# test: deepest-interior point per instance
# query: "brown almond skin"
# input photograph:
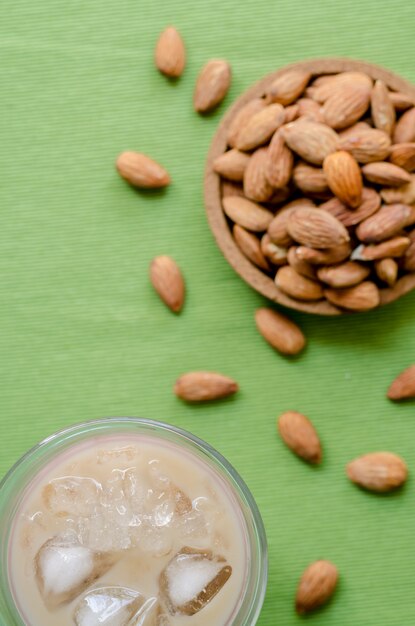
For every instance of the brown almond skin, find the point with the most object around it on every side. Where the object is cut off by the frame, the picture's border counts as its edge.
(403, 387)
(310, 109)
(302, 267)
(141, 171)
(362, 297)
(316, 228)
(242, 118)
(405, 128)
(277, 228)
(387, 271)
(383, 111)
(378, 471)
(299, 434)
(231, 165)
(344, 275)
(338, 82)
(247, 214)
(401, 101)
(280, 332)
(331, 256)
(170, 53)
(344, 177)
(278, 255)
(345, 106)
(310, 140)
(297, 286)
(212, 85)
(168, 281)
(409, 258)
(403, 155)
(404, 193)
(250, 245)
(291, 113)
(203, 386)
(256, 184)
(289, 86)
(395, 247)
(260, 127)
(387, 222)
(384, 173)
(316, 586)
(366, 145)
(309, 179)
(280, 162)
(371, 201)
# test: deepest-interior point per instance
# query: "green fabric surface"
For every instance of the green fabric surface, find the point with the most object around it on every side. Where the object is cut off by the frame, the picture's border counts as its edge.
(82, 333)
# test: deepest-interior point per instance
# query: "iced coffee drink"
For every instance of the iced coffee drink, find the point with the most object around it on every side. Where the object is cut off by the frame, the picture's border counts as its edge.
(129, 529)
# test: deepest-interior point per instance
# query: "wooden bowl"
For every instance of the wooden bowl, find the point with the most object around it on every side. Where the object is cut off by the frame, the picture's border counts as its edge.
(257, 279)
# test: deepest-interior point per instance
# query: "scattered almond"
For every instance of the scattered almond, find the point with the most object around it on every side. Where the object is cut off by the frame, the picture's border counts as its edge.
(378, 471)
(212, 85)
(310, 140)
(141, 171)
(170, 53)
(383, 110)
(362, 297)
(279, 331)
(316, 586)
(403, 155)
(384, 173)
(405, 127)
(204, 386)
(256, 184)
(250, 245)
(247, 214)
(299, 434)
(260, 127)
(288, 86)
(344, 177)
(297, 286)
(344, 275)
(232, 165)
(387, 222)
(167, 280)
(315, 228)
(403, 387)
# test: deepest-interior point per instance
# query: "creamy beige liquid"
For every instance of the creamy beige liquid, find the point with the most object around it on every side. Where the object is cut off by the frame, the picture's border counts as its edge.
(140, 500)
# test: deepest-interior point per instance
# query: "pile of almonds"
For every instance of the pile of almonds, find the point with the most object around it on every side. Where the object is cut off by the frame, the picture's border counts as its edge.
(318, 186)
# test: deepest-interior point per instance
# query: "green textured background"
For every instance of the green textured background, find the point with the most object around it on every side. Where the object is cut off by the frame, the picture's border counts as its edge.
(82, 334)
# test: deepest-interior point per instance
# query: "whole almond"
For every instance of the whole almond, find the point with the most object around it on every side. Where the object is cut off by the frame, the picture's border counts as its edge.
(260, 127)
(242, 117)
(344, 177)
(335, 83)
(384, 173)
(310, 109)
(378, 471)
(301, 267)
(299, 434)
(370, 204)
(403, 285)
(367, 145)
(167, 280)
(203, 386)
(278, 255)
(279, 331)
(387, 222)
(250, 246)
(297, 286)
(362, 297)
(170, 53)
(310, 140)
(405, 193)
(277, 229)
(383, 110)
(316, 586)
(387, 271)
(354, 129)
(212, 85)
(331, 256)
(291, 113)
(287, 87)
(403, 155)
(141, 171)
(256, 184)
(405, 127)
(309, 179)
(345, 106)
(316, 228)
(231, 165)
(403, 387)
(409, 258)
(395, 247)
(344, 275)
(247, 214)
(401, 101)
(280, 162)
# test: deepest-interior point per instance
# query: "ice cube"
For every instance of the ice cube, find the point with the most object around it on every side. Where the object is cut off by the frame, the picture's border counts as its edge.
(192, 579)
(111, 606)
(71, 496)
(64, 569)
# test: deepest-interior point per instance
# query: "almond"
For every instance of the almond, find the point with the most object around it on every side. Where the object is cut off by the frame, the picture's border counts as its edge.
(369, 205)
(403, 387)
(336, 83)
(344, 275)
(247, 214)
(231, 189)
(404, 193)
(299, 434)
(344, 177)
(280, 162)
(250, 246)
(302, 267)
(310, 109)
(316, 586)
(170, 53)
(395, 247)
(384, 173)
(141, 171)
(278, 197)
(401, 101)
(231, 165)
(352, 130)
(297, 286)
(291, 113)
(212, 85)
(403, 285)
(331, 256)
(287, 87)
(309, 179)
(403, 155)
(203, 386)
(378, 471)
(277, 230)
(362, 297)
(256, 184)
(409, 258)
(367, 145)
(316, 228)
(383, 111)
(310, 140)
(167, 280)
(242, 117)
(276, 254)
(260, 127)
(386, 223)
(345, 106)
(405, 127)
(279, 331)
(387, 271)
